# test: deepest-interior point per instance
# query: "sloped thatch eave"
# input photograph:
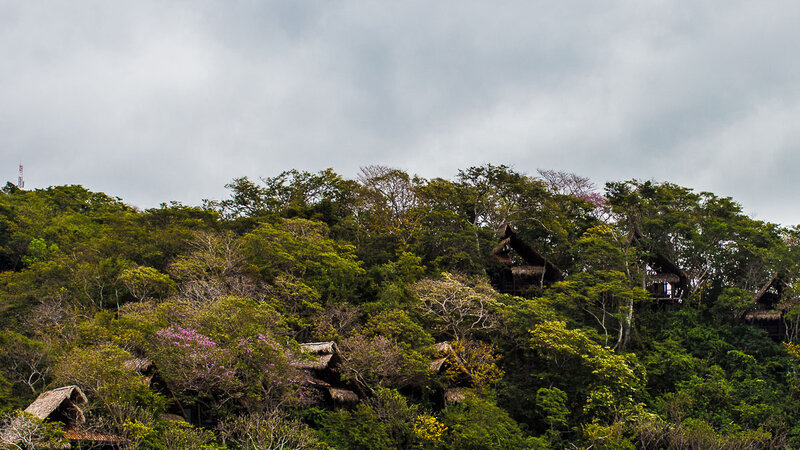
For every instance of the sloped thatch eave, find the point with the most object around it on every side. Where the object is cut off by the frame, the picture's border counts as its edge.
(48, 402)
(320, 362)
(442, 347)
(529, 254)
(343, 396)
(138, 364)
(664, 278)
(760, 294)
(436, 365)
(528, 270)
(320, 347)
(763, 315)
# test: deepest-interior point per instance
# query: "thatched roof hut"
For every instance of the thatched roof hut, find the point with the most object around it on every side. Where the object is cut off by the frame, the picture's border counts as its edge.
(770, 293)
(442, 347)
(144, 367)
(320, 347)
(139, 365)
(324, 355)
(343, 397)
(319, 362)
(664, 270)
(442, 350)
(59, 405)
(437, 364)
(536, 263)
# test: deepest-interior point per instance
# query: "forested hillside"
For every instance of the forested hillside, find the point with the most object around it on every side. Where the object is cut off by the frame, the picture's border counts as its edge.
(307, 310)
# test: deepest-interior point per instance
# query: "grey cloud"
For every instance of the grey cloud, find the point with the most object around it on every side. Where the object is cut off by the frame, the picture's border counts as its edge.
(156, 101)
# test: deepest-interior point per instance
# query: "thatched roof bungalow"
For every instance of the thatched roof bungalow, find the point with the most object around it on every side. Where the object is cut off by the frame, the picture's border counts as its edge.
(442, 350)
(62, 405)
(768, 314)
(770, 294)
(319, 363)
(663, 279)
(318, 356)
(59, 405)
(534, 269)
(144, 368)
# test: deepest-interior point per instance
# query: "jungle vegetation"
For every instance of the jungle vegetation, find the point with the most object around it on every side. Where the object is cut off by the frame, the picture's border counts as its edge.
(219, 297)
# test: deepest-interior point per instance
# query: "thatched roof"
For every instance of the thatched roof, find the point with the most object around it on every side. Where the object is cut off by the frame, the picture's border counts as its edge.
(323, 355)
(528, 270)
(63, 400)
(140, 365)
(320, 347)
(172, 417)
(661, 264)
(455, 395)
(436, 365)
(442, 347)
(763, 314)
(773, 282)
(508, 237)
(664, 278)
(320, 362)
(343, 396)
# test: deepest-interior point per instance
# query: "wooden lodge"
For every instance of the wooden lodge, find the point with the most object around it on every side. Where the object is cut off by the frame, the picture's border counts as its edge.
(530, 268)
(663, 279)
(768, 313)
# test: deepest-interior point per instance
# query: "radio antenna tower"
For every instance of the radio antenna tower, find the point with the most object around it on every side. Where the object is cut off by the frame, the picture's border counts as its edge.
(20, 181)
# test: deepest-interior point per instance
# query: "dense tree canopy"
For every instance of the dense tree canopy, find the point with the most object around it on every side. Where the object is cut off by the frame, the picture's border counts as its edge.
(406, 276)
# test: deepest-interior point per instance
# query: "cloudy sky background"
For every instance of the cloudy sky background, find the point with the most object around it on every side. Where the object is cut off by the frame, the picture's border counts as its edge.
(156, 101)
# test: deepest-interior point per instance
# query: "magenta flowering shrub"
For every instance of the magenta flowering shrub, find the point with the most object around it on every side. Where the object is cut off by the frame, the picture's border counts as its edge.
(192, 361)
(256, 370)
(266, 372)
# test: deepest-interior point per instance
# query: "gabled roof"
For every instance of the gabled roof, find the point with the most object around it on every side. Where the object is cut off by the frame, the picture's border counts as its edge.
(773, 282)
(443, 350)
(659, 262)
(67, 397)
(532, 257)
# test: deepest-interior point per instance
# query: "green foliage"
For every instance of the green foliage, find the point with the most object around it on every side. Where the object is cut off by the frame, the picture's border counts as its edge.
(397, 326)
(24, 430)
(268, 430)
(360, 428)
(218, 297)
(610, 383)
(553, 406)
(144, 282)
(480, 424)
(302, 249)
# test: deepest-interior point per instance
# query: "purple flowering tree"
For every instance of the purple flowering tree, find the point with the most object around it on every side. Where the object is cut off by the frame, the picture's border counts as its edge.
(191, 361)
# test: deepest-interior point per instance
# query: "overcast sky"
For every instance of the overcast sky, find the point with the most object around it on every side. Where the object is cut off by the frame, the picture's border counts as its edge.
(155, 101)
